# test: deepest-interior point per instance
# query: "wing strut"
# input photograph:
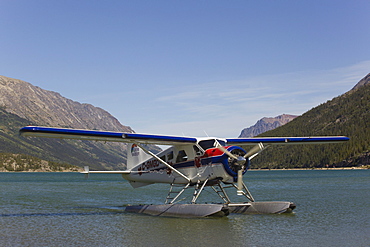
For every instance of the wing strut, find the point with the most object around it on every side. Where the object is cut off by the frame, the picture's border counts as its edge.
(163, 162)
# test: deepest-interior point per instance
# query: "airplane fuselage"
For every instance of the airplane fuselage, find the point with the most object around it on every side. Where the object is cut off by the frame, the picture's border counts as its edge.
(196, 165)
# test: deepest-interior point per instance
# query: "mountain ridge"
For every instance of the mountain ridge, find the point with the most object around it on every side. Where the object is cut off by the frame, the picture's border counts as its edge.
(364, 81)
(22, 104)
(36, 106)
(266, 124)
(50, 108)
(347, 115)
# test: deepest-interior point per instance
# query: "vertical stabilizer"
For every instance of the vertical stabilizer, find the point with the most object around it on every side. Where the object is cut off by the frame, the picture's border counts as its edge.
(135, 156)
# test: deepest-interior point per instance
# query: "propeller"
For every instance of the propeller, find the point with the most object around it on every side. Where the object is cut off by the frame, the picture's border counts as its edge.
(255, 151)
(239, 161)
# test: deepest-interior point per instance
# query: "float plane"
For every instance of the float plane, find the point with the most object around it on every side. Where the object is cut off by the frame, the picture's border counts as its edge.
(189, 163)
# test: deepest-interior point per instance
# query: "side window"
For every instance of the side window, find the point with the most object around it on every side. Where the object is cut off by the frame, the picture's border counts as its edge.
(181, 156)
(170, 156)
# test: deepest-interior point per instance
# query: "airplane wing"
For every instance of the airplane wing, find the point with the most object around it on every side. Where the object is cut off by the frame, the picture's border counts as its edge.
(94, 135)
(286, 140)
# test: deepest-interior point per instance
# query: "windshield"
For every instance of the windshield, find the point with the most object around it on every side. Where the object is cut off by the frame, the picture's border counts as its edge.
(211, 143)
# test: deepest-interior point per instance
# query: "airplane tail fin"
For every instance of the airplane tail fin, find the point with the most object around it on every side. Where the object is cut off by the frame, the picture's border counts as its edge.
(135, 156)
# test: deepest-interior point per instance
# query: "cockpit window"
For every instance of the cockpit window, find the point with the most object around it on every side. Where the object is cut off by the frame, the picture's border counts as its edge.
(206, 144)
(223, 143)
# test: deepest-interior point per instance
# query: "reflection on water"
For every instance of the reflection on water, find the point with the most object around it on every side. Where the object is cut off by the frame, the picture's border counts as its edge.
(63, 209)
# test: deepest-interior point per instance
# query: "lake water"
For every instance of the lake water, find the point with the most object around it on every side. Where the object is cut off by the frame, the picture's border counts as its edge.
(64, 209)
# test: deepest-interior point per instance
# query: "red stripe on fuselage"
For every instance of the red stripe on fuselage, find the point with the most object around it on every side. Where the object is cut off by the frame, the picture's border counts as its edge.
(213, 152)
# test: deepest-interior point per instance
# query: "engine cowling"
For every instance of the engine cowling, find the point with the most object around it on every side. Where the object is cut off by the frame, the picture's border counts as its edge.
(230, 164)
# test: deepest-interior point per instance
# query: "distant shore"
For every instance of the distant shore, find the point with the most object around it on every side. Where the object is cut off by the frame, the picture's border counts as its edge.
(46, 170)
(318, 168)
(281, 169)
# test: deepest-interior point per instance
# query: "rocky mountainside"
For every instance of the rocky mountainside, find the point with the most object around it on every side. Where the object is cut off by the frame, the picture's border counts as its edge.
(22, 104)
(364, 81)
(56, 151)
(266, 124)
(348, 115)
(47, 108)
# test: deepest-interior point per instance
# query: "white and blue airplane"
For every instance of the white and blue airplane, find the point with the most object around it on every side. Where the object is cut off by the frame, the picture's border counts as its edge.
(190, 162)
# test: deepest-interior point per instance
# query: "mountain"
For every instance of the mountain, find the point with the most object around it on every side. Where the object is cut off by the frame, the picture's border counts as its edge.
(23, 104)
(78, 153)
(265, 124)
(49, 108)
(364, 81)
(348, 115)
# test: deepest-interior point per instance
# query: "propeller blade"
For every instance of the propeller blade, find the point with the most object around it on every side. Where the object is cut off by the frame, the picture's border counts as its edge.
(223, 149)
(256, 149)
(239, 191)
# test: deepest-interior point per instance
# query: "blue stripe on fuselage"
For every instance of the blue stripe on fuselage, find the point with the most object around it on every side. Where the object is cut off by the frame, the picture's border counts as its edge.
(191, 163)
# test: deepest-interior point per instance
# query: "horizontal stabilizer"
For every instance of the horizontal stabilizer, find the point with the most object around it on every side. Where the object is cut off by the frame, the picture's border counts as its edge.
(107, 172)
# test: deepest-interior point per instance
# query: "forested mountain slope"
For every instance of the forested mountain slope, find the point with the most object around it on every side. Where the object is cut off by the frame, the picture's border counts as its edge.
(348, 115)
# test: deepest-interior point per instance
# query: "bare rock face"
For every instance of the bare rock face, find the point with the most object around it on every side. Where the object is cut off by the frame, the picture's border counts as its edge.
(364, 81)
(266, 124)
(47, 108)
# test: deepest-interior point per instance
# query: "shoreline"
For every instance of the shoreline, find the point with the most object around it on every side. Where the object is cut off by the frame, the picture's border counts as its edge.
(258, 169)
(318, 168)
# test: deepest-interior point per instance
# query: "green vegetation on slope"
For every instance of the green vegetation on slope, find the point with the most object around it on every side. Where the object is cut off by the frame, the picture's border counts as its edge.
(79, 153)
(23, 162)
(348, 115)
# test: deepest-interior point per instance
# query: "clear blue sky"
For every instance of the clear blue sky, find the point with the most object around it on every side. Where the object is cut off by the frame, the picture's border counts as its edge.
(188, 67)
